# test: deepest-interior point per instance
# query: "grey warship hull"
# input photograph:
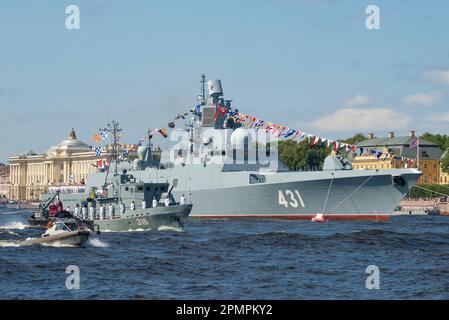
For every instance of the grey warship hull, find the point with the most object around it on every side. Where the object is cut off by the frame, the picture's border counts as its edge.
(172, 217)
(371, 195)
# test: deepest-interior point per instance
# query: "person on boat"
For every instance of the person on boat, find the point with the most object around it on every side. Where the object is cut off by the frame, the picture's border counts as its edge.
(59, 205)
(167, 201)
(84, 212)
(182, 200)
(154, 202)
(144, 204)
(68, 209)
(111, 211)
(91, 212)
(50, 224)
(133, 205)
(122, 209)
(101, 212)
(76, 212)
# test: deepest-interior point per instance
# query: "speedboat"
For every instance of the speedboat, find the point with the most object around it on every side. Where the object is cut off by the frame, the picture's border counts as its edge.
(59, 233)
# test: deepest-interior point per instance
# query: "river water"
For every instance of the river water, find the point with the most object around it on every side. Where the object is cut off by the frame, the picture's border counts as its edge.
(235, 259)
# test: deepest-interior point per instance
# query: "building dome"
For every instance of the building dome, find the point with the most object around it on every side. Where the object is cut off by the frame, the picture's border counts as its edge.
(240, 138)
(69, 145)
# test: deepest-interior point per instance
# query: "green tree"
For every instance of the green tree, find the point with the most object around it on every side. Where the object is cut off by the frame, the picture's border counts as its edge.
(355, 139)
(441, 140)
(426, 191)
(302, 155)
(445, 162)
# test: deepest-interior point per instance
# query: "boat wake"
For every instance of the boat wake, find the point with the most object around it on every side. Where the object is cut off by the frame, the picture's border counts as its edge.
(6, 244)
(14, 225)
(170, 228)
(58, 244)
(95, 242)
(8, 232)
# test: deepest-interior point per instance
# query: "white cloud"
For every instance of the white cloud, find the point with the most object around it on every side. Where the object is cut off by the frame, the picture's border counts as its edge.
(357, 100)
(422, 99)
(441, 117)
(438, 76)
(351, 119)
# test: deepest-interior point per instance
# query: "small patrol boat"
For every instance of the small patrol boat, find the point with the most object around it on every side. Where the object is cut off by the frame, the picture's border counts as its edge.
(59, 233)
(114, 208)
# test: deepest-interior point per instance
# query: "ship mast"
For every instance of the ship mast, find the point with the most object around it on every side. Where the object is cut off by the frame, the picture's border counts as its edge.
(114, 129)
(203, 87)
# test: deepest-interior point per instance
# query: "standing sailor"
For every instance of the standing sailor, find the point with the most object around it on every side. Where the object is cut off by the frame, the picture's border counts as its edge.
(144, 204)
(101, 212)
(154, 202)
(111, 211)
(77, 210)
(182, 200)
(84, 212)
(91, 212)
(167, 201)
(122, 209)
(133, 205)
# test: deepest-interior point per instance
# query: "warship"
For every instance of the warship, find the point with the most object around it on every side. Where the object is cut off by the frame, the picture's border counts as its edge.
(234, 179)
(116, 203)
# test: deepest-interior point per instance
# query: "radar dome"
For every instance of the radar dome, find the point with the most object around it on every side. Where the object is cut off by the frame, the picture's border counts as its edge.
(240, 138)
(142, 152)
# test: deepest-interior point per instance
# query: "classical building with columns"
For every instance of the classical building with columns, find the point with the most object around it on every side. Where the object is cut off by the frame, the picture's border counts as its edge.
(65, 164)
(4, 181)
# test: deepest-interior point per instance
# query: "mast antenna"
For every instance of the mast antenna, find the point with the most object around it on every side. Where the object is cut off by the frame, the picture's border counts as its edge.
(114, 129)
(203, 86)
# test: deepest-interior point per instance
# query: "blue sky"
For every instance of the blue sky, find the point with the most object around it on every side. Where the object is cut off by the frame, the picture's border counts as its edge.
(311, 65)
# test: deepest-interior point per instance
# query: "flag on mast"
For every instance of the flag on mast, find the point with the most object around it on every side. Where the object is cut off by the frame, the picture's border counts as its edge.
(415, 143)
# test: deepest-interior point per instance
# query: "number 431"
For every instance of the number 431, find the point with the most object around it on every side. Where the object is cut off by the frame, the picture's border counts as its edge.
(294, 199)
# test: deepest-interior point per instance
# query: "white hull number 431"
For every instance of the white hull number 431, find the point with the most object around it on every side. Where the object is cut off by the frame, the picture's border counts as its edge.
(291, 199)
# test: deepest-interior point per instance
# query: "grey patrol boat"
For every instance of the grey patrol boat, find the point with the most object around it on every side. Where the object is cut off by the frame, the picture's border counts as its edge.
(122, 202)
(229, 180)
(125, 196)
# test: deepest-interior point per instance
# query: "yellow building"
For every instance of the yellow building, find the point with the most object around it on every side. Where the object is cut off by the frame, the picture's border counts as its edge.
(67, 163)
(429, 156)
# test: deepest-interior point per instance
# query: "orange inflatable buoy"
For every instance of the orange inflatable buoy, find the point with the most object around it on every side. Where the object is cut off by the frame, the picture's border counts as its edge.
(319, 217)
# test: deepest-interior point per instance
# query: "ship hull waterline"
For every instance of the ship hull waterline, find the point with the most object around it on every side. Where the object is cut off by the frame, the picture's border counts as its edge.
(350, 198)
(172, 217)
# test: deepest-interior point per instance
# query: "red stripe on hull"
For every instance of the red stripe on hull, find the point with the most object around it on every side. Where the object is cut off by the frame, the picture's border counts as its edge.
(369, 217)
